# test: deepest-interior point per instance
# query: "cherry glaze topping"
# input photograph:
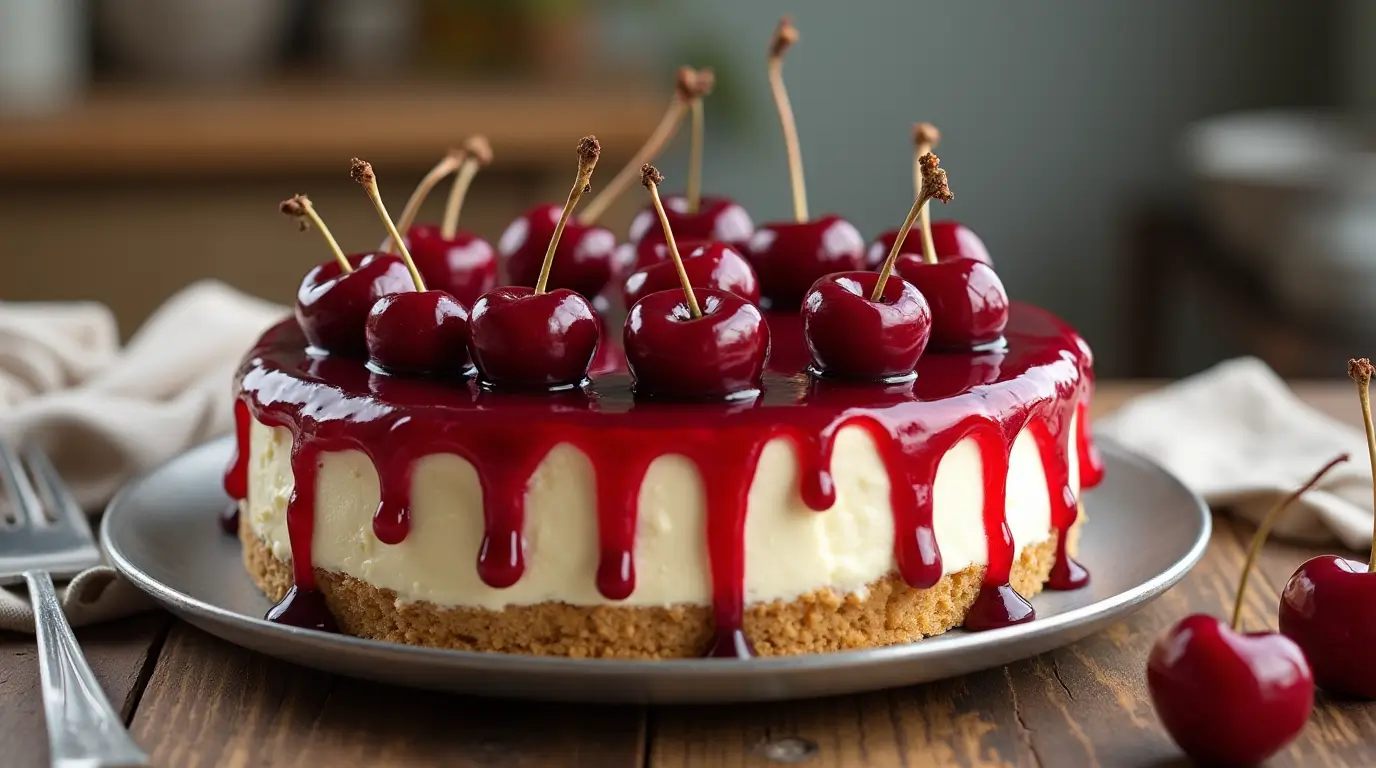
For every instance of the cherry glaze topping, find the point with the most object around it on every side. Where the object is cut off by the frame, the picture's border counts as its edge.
(672, 354)
(332, 307)
(582, 262)
(851, 337)
(718, 218)
(789, 257)
(521, 340)
(464, 266)
(952, 240)
(969, 304)
(418, 332)
(712, 265)
(333, 404)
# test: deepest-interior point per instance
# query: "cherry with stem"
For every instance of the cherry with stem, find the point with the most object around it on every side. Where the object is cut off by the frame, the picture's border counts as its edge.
(932, 185)
(361, 172)
(588, 152)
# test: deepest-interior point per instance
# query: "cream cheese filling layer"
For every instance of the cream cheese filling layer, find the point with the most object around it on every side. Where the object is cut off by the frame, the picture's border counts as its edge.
(790, 549)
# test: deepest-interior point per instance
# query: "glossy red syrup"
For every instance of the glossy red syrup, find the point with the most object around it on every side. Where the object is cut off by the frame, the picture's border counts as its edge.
(236, 476)
(334, 404)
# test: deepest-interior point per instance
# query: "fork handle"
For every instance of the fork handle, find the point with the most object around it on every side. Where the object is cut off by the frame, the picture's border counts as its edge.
(83, 729)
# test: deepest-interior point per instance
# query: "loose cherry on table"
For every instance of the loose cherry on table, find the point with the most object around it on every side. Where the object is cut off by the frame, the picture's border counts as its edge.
(417, 330)
(1229, 697)
(790, 256)
(335, 297)
(692, 215)
(868, 326)
(713, 265)
(587, 256)
(450, 259)
(534, 338)
(693, 344)
(1328, 606)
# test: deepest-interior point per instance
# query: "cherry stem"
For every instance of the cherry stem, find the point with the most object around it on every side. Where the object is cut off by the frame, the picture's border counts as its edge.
(447, 165)
(1361, 371)
(887, 269)
(785, 36)
(663, 133)
(301, 206)
(1264, 530)
(449, 225)
(925, 221)
(694, 191)
(588, 152)
(362, 172)
(651, 178)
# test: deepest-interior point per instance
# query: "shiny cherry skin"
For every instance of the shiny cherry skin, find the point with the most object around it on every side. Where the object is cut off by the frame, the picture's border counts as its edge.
(651, 251)
(418, 332)
(1226, 697)
(969, 304)
(464, 266)
(1329, 609)
(789, 257)
(332, 307)
(718, 218)
(715, 265)
(672, 354)
(951, 238)
(582, 261)
(851, 337)
(523, 341)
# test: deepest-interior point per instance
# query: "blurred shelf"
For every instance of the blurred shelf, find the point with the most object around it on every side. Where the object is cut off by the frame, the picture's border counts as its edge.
(126, 132)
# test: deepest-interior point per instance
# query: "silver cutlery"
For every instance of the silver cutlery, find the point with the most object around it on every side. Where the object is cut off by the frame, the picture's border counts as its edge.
(83, 729)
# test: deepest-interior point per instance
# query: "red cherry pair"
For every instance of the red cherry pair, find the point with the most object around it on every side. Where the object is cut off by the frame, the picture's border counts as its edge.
(1228, 697)
(868, 326)
(695, 342)
(1328, 606)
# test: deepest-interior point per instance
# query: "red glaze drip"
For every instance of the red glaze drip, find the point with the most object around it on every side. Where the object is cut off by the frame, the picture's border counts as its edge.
(1091, 465)
(1065, 572)
(334, 404)
(236, 475)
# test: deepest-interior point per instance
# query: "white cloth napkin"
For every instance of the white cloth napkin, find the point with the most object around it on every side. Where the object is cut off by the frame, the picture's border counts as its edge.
(106, 414)
(1240, 438)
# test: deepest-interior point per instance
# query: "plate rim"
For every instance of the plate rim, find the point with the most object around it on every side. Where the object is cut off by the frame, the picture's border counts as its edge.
(1118, 605)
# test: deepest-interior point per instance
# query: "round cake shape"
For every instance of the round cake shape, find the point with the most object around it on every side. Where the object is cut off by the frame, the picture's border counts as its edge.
(818, 516)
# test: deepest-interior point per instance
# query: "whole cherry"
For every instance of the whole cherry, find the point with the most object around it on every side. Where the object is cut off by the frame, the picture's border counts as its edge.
(717, 266)
(335, 297)
(683, 348)
(1328, 606)
(1229, 697)
(867, 326)
(852, 336)
(455, 261)
(945, 239)
(587, 257)
(418, 330)
(535, 338)
(969, 303)
(790, 256)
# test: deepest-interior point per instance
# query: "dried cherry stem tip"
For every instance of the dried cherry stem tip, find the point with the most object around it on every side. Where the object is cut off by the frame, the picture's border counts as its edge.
(925, 139)
(300, 208)
(1264, 530)
(785, 35)
(588, 152)
(1361, 372)
(477, 154)
(651, 178)
(451, 162)
(934, 187)
(362, 172)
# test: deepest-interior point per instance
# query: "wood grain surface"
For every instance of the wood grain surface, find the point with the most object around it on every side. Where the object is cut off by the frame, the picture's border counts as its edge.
(193, 700)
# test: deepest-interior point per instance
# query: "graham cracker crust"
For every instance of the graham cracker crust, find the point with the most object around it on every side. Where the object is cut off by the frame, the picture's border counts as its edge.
(891, 613)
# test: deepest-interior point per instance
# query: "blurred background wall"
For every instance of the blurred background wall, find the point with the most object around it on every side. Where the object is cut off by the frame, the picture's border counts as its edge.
(166, 134)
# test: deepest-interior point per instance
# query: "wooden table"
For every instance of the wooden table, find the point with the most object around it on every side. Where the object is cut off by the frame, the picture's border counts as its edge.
(193, 700)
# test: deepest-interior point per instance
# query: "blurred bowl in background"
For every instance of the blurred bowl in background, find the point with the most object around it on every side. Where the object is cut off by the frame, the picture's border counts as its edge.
(205, 42)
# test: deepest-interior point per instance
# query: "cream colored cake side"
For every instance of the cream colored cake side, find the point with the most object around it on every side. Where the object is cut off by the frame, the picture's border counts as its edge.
(792, 552)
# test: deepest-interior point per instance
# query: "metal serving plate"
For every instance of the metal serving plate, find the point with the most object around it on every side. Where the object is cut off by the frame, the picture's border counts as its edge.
(1144, 532)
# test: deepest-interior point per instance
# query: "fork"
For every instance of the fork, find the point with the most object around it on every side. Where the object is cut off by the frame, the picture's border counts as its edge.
(83, 729)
